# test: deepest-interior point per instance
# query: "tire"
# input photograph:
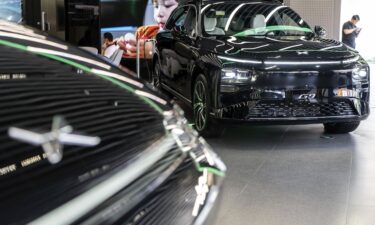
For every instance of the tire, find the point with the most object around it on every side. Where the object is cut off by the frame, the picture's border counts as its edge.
(204, 124)
(156, 81)
(340, 128)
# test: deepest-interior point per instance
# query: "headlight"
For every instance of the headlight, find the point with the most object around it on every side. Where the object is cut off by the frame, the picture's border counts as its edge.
(237, 76)
(360, 74)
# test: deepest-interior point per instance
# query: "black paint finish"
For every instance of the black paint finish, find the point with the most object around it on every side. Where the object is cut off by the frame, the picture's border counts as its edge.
(289, 73)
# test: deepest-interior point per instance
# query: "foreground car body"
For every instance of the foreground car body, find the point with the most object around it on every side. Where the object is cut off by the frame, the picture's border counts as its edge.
(82, 143)
(259, 62)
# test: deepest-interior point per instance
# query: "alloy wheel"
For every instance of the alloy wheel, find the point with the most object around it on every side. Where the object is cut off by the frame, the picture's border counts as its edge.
(200, 106)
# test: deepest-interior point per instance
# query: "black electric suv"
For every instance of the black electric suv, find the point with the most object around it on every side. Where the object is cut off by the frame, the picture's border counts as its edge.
(259, 62)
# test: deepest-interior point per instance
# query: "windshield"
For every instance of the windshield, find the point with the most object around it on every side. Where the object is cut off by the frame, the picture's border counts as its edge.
(252, 19)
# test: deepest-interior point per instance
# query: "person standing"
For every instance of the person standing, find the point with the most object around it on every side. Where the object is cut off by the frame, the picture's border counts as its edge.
(350, 31)
(109, 46)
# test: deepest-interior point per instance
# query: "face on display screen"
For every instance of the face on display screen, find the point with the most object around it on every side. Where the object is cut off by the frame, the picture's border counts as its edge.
(136, 17)
(162, 10)
(135, 12)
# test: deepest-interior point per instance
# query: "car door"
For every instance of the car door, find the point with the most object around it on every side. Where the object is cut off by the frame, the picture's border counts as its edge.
(166, 42)
(186, 52)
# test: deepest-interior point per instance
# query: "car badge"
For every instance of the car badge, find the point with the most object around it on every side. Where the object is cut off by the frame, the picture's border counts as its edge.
(302, 52)
(53, 142)
(306, 96)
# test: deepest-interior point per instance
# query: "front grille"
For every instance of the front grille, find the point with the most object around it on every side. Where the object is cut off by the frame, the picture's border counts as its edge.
(170, 204)
(142, 203)
(287, 109)
(300, 109)
(125, 124)
(164, 194)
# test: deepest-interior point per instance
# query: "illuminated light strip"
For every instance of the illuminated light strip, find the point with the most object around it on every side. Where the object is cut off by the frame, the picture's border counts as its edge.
(13, 45)
(117, 76)
(132, 90)
(22, 32)
(152, 104)
(303, 63)
(97, 195)
(66, 61)
(151, 96)
(293, 46)
(99, 73)
(232, 15)
(70, 56)
(272, 12)
(19, 30)
(350, 60)
(240, 60)
(27, 38)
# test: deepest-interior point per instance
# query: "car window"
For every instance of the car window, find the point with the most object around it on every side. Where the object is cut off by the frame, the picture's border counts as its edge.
(191, 22)
(177, 18)
(232, 19)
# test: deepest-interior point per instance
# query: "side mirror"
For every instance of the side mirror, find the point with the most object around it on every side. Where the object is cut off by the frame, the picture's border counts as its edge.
(320, 31)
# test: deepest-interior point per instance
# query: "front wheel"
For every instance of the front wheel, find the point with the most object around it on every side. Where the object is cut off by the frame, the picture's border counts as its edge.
(341, 128)
(156, 79)
(204, 124)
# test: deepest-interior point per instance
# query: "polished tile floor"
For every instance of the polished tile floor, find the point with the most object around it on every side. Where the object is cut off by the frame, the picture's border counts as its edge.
(297, 175)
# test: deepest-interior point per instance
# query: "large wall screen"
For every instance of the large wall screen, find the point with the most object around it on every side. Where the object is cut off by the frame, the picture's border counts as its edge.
(11, 10)
(120, 13)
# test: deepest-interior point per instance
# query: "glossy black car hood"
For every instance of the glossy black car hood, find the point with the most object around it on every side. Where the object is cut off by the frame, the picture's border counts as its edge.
(282, 48)
(55, 97)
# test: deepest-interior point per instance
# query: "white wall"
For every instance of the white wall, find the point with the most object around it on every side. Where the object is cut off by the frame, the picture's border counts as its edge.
(325, 13)
(366, 11)
(332, 14)
(149, 14)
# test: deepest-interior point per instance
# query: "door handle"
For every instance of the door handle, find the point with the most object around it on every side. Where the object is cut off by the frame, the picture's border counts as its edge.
(43, 21)
(45, 25)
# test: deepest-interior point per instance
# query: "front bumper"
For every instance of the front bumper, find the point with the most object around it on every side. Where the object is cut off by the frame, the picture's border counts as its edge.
(295, 98)
(295, 112)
